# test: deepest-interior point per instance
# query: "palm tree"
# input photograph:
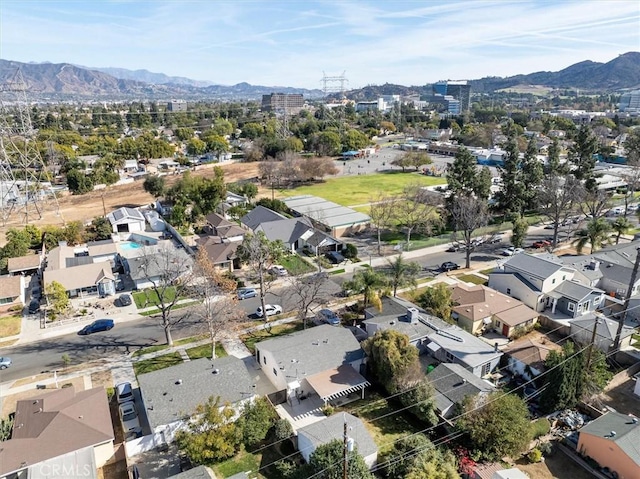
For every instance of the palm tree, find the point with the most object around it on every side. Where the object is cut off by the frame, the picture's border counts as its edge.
(402, 274)
(596, 233)
(621, 225)
(370, 284)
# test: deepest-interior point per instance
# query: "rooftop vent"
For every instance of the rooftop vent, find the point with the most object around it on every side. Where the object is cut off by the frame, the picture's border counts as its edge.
(326, 341)
(634, 420)
(392, 322)
(178, 382)
(315, 343)
(216, 371)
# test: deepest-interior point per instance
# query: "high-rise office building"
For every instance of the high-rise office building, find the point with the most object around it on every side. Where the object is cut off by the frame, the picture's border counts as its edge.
(460, 90)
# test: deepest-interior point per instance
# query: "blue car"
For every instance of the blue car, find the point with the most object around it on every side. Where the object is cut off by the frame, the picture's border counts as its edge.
(97, 326)
(328, 316)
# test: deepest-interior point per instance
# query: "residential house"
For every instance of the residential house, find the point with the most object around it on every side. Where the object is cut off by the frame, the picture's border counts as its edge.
(443, 341)
(126, 220)
(452, 384)
(612, 442)
(258, 215)
(172, 395)
(331, 428)
(543, 282)
(12, 292)
(198, 472)
(218, 225)
(164, 207)
(27, 265)
(605, 332)
(478, 308)
(67, 431)
(232, 199)
(222, 255)
(323, 360)
(101, 251)
(153, 267)
(526, 357)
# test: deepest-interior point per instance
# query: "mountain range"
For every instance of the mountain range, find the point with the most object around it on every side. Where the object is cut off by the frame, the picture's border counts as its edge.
(67, 81)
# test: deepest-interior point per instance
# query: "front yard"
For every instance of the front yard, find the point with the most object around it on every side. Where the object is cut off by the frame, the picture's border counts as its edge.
(254, 337)
(10, 325)
(153, 364)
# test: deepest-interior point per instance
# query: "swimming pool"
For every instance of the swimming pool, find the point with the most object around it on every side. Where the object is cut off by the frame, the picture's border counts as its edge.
(129, 245)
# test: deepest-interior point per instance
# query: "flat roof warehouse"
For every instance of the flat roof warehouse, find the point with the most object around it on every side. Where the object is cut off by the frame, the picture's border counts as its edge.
(326, 212)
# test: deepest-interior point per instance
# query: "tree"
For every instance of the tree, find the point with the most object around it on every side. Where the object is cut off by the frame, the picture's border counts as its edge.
(621, 225)
(256, 419)
(532, 173)
(258, 253)
(468, 213)
(462, 176)
(218, 312)
(381, 212)
(169, 271)
(327, 143)
(154, 185)
(6, 426)
(370, 284)
(313, 167)
(553, 166)
(57, 297)
(581, 155)
(416, 209)
(497, 425)
(210, 435)
(307, 291)
(402, 274)
(417, 457)
(557, 199)
(99, 229)
(510, 198)
(196, 147)
(419, 399)
(434, 463)
(519, 232)
(437, 300)
(326, 462)
(78, 182)
(596, 232)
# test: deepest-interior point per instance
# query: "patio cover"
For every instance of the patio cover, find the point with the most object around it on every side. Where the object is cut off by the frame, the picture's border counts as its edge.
(337, 382)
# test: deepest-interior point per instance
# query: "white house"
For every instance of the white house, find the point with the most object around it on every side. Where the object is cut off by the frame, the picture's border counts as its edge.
(126, 220)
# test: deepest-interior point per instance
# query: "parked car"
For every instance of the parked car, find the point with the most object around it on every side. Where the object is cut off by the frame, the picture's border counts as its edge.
(449, 266)
(124, 300)
(129, 417)
(541, 244)
(496, 238)
(97, 326)
(278, 270)
(328, 316)
(271, 309)
(246, 293)
(5, 363)
(335, 257)
(124, 392)
(511, 251)
(455, 247)
(34, 306)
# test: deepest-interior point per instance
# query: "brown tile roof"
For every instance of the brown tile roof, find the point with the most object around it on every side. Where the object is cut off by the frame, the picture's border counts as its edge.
(531, 353)
(216, 220)
(10, 286)
(81, 276)
(54, 424)
(478, 302)
(22, 263)
(519, 314)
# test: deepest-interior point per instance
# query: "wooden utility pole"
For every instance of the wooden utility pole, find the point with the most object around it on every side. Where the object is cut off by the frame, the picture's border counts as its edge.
(344, 449)
(627, 299)
(593, 339)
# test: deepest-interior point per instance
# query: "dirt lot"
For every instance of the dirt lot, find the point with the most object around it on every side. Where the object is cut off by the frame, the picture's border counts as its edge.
(88, 206)
(619, 395)
(556, 466)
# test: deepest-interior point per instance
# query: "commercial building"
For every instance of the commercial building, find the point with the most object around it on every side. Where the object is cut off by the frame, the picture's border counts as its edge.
(459, 90)
(292, 103)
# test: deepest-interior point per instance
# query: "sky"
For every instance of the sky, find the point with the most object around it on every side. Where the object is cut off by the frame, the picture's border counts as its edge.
(297, 42)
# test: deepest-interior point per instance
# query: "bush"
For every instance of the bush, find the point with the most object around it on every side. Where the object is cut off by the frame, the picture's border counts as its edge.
(255, 421)
(535, 455)
(282, 429)
(540, 427)
(328, 410)
(350, 251)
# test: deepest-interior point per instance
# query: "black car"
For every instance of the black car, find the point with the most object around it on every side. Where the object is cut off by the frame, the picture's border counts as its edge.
(124, 300)
(34, 306)
(97, 326)
(335, 257)
(449, 266)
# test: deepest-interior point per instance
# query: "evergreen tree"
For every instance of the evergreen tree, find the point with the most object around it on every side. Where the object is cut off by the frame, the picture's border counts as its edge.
(510, 198)
(581, 155)
(532, 174)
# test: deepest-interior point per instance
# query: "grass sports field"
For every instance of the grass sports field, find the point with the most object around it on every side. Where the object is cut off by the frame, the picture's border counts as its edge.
(360, 190)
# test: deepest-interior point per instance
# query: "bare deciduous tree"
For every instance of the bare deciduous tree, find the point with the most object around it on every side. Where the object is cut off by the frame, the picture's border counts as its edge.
(381, 213)
(307, 291)
(417, 209)
(558, 197)
(468, 213)
(316, 167)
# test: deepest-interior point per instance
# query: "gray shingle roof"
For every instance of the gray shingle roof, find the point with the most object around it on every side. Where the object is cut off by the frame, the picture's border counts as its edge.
(331, 428)
(453, 383)
(166, 401)
(259, 215)
(575, 291)
(464, 346)
(288, 230)
(199, 472)
(313, 350)
(541, 266)
(627, 435)
(606, 327)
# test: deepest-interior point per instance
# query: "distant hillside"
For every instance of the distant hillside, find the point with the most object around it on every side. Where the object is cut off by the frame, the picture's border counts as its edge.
(149, 77)
(66, 81)
(620, 73)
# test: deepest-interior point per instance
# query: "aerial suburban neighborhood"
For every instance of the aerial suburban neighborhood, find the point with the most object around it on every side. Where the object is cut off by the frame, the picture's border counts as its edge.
(430, 282)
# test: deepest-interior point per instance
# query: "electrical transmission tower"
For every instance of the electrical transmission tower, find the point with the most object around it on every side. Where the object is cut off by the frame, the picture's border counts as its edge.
(334, 84)
(25, 183)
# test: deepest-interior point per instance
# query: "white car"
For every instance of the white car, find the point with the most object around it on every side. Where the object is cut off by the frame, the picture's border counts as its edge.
(272, 309)
(511, 251)
(124, 392)
(129, 416)
(278, 270)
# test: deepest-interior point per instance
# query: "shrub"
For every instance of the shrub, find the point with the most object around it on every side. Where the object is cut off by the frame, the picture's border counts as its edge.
(282, 429)
(350, 251)
(535, 455)
(540, 427)
(328, 410)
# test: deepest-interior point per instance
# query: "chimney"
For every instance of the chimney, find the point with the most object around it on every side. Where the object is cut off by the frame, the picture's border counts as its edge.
(495, 347)
(412, 315)
(594, 264)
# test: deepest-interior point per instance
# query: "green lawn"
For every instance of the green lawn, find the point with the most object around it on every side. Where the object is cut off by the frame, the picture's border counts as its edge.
(417, 240)
(10, 325)
(149, 297)
(251, 339)
(295, 265)
(413, 294)
(161, 362)
(153, 311)
(487, 271)
(160, 347)
(635, 340)
(384, 430)
(204, 351)
(471, 278)
(241, 462)
(357, 190)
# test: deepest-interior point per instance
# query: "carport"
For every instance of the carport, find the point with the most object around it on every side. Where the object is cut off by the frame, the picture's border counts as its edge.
(337, 383)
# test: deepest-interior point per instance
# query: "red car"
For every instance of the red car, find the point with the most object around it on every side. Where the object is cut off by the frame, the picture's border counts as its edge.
(541, 244)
